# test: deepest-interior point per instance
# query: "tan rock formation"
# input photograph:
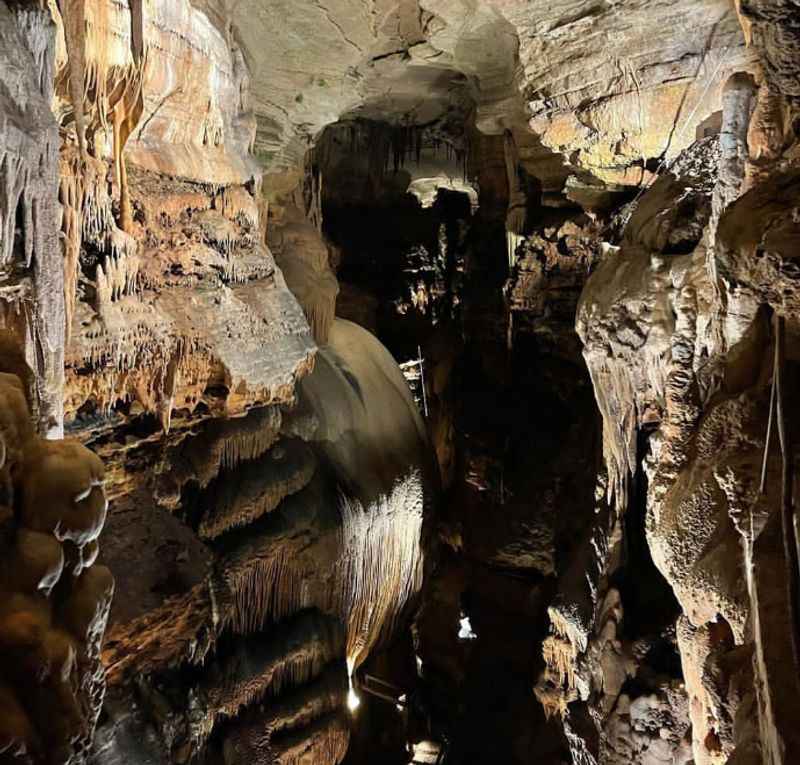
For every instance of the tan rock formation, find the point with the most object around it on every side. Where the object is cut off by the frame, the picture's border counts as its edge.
(575, 222)
(289, 548)
(692, 354)
(55, 600)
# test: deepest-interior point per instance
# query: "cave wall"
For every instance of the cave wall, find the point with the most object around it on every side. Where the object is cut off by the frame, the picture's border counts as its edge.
(32, 315)
(587, 231)
(267, 487)
(681, 349)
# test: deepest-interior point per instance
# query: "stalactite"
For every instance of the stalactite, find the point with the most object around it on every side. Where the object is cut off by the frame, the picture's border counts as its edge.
(296, 713)
(28, 210)
(142, 364)
(561, 650)
(560, 654)
(376, 576)
(246, 445)
(238, 205)
(326, 740)
(125, 120)
(226, 444)
(70, 194)
(320, 314)
(219, 232)
(580, 615)
(265, 589)
(387, 147)
(104, 85)
(74, 15)
(313, 196)
(311, 700)
(263, 220)
(297, 652)
(380, 569)
(20, 194)
(616, 401)
(259, 488)
(86, 217)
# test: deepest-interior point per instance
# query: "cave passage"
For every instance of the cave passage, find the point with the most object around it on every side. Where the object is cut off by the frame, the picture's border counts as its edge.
(399, 382)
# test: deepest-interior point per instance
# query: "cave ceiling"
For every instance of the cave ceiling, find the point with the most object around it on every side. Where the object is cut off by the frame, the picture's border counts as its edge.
(593, 90)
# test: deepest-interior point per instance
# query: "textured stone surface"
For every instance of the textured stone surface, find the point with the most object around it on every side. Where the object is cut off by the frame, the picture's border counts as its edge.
(55, 601)
(32, 306)
(586, 78)
(313, 562)
(562, 216)
(694, 361)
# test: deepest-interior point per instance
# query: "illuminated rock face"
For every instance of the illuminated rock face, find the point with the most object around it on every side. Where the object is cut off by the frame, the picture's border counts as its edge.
(303, 534)
(678, 340)
(579, 219)
(165, 98)
(318, 555)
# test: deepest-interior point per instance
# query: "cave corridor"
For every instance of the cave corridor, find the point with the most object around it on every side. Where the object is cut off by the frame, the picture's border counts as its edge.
(395, 382)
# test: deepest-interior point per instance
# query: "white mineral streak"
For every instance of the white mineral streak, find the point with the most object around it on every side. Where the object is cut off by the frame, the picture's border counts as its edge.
(380, 570)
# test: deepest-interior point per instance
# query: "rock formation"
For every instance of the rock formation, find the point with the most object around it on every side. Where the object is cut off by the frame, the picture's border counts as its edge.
(55, 599)
(431, 365)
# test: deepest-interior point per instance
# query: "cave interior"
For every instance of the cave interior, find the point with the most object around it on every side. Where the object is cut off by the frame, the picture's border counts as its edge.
(399, 382)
